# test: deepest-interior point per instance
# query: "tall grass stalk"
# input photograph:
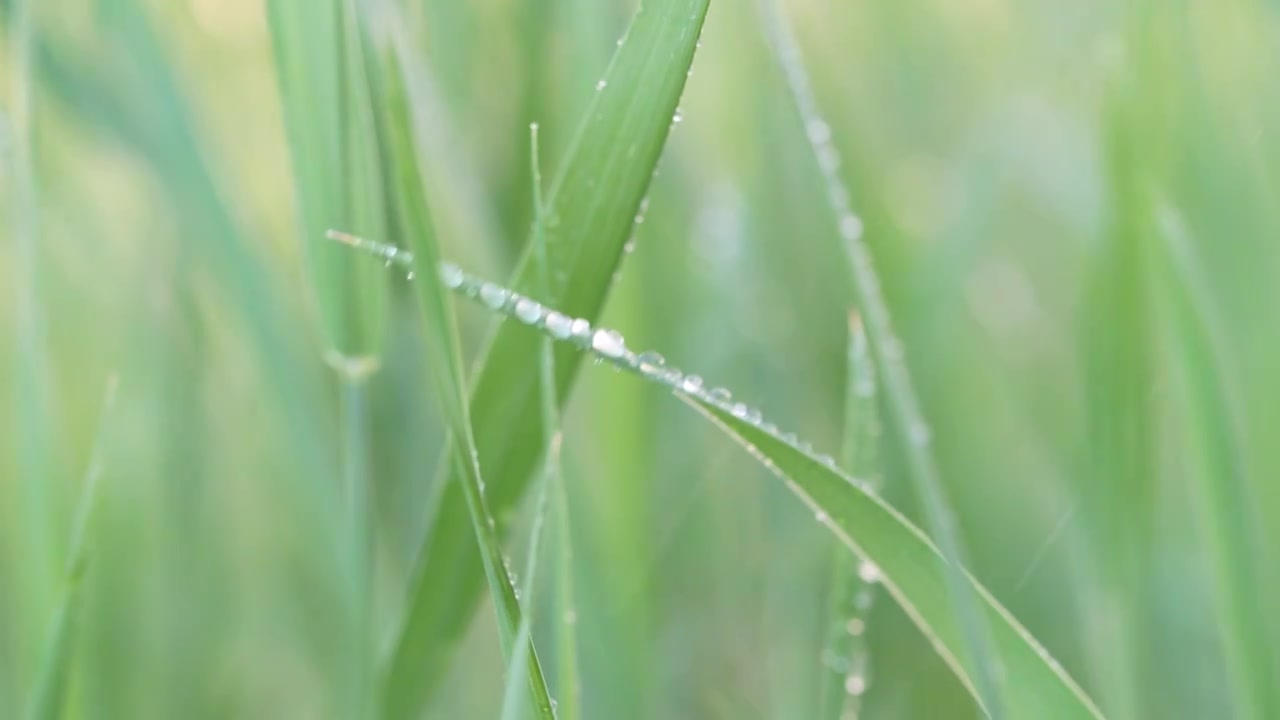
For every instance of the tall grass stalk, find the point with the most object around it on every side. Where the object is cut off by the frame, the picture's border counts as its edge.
(568, 678)
(590, 208)
(846, 657)
(408, 192)
(979, 665)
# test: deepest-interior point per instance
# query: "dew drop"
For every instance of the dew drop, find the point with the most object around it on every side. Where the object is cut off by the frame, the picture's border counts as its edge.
(868, 571)
(451, 275)
(691, 384)
(855, 685)
(820, 516)
(528, 311)
(651, 362)
(493, 296)
(720, 395)
(855, 626)
(580, 329)
(851, 227)
(827, 460)
(409, 276)
(819, 131)
(602, 84)
(571, 617)
(609, 343)
(740, 411)
(559, 325)
(678, 117)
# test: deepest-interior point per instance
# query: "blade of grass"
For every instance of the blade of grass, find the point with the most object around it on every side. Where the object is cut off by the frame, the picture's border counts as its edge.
(909, 564)
(590, 208)
(846, 673)
(413, 221)
(906, 420)
(1224, 501)
(54, 676)
(319, 57)
(568, 682)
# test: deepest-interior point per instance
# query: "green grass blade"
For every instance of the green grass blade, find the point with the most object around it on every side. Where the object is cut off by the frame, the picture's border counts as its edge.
(909, 565)
(1220, 485)
(846, 671)
(319, 67)
(444, 359)
(54, 675)
(906, 420)
(567, 676)
(319, 57)
(589, 211)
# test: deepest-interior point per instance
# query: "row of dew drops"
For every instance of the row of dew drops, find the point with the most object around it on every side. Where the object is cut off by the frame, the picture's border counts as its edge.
(607, 345)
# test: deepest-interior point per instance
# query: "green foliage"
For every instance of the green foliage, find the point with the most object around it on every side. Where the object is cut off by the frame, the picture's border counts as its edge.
(1068, 209)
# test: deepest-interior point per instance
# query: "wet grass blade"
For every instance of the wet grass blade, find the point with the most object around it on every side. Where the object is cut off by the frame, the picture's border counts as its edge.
(568, 680)
(444, 359)
(589, 211)
(907, 563)
(54, 675)
(905, 417)
(846, 672)
(1223, 499)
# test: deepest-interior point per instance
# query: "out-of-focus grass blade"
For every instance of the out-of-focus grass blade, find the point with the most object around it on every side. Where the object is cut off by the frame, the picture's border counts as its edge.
(907, 562)
(319, 57)
(29, 416)
(319, 66)
(54, 674)
(1220, 485)
(906, 419)
(590, 208)
(414, 222)
(846, 674)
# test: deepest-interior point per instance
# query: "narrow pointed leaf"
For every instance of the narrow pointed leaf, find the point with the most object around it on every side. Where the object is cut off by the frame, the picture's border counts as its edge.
(589, 212)
(414, 222)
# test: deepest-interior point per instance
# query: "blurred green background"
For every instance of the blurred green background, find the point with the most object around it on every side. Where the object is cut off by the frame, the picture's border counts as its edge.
(1003, 154)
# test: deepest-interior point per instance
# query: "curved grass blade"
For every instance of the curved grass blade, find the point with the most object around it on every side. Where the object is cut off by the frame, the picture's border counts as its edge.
(846, 662)
(1224, 501)
(908, 564)
(589, 211)
(54, 676)
(414, 221)
(906, 420)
